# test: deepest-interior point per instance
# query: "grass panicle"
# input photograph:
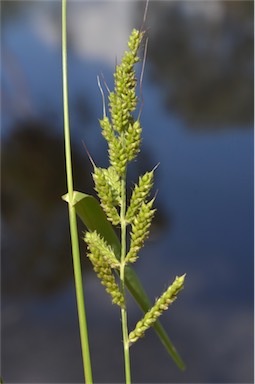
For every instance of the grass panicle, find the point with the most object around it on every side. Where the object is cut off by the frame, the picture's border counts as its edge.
(122, 132)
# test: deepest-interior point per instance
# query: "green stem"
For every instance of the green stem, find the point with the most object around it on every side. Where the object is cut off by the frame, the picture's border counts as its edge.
(122, 279)
(72, 215)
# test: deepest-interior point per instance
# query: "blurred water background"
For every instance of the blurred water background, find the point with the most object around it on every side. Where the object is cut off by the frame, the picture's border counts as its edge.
(198, 123)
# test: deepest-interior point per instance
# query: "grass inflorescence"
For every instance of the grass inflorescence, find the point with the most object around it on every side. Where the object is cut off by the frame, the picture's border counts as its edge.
(122, 132)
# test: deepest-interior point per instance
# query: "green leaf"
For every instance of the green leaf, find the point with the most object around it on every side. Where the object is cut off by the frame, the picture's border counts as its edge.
(92, 215)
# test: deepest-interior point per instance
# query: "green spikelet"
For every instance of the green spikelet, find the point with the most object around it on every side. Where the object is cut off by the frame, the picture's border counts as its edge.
(162, 304)
(139, 195)
(107, 185)
(120, 116)
(133, 139)
(140, 230)
(113, 180)
(118, 154)
(102, 267)
(98, 246)
(107, 130)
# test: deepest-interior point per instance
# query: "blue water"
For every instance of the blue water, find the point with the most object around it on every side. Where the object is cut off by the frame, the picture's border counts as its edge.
(204, 228)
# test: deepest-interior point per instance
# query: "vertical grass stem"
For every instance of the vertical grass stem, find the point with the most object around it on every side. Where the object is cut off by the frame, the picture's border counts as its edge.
(122, 279)
(72, 215)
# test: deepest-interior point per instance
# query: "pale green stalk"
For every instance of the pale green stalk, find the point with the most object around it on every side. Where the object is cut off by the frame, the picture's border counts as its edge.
(122, 279)
(72, 215)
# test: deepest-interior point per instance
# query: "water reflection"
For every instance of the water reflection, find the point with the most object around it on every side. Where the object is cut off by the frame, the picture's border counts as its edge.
(202, 53)
(36, 240)
(199, 55)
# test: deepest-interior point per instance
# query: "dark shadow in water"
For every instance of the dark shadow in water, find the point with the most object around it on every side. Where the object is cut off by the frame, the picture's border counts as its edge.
(36, 242)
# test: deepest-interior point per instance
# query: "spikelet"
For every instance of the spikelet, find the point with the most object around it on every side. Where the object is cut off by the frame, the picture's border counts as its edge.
(162, 304)
(107, 185)
(98, 245)
(120, 116)
(102, 267)
(107, 130)
(140, 230)
(133, 139)
(113, 180)
(139, 195)
(118, 154)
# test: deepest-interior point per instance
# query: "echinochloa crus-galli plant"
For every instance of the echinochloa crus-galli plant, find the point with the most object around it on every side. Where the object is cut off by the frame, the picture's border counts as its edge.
(122, 131)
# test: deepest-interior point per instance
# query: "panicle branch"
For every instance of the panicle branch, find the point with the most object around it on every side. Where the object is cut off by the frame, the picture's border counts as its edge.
(103, 260)
(140, 230)
(162, 304)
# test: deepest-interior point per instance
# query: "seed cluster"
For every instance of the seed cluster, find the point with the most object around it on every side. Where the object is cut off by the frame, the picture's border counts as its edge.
(139, 195)
(123, 101)
(107, 185)
(97, 244)
(103, 260)
(162, 304)
(140, 230)
(123, 132)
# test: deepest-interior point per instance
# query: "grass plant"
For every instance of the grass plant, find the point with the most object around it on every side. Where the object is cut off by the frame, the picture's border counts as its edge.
(110, 256)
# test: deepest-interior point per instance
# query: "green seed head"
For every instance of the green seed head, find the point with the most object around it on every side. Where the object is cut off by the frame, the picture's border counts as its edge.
(107, 185)
(140, 230)
(121, 131)
(133, 139)
(117, 155)
(103, 260)
(162, 304)
(139, 195)
(100, 248)
(107, 130)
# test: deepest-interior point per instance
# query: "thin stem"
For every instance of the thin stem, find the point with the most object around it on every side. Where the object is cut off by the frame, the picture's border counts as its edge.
(72, 214)
(122, 279)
